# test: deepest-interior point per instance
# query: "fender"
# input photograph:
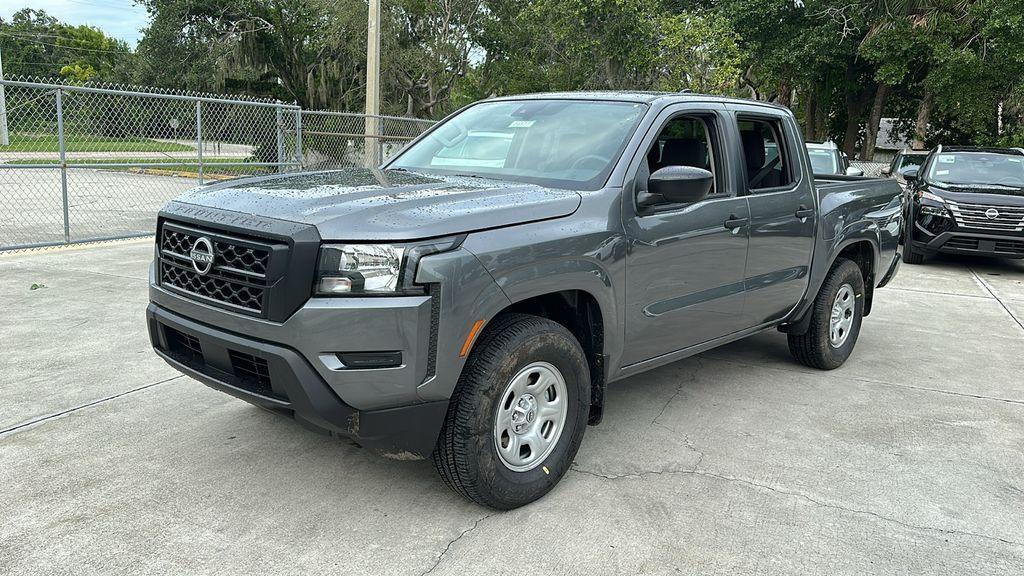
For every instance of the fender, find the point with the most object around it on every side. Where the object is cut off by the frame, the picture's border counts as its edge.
(861, 231)
(555, 275)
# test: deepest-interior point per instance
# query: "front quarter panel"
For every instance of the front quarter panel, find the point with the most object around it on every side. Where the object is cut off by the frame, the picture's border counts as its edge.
(467, 294)
(585, 252)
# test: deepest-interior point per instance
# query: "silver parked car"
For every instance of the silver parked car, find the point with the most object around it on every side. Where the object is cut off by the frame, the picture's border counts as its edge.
(827, 158)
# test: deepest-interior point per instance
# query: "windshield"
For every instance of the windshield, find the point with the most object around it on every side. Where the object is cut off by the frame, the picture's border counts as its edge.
(561, 143)
(977, 168)
(823, 161)
(911, 160)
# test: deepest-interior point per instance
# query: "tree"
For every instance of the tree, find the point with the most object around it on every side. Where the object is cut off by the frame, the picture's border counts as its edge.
(37, 44)
(551, 45)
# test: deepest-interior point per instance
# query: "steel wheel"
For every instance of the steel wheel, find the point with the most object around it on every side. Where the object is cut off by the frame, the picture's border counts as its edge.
(841, 319)
(530, 417)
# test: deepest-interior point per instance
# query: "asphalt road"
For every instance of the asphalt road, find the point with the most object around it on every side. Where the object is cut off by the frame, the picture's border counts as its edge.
(908, 460)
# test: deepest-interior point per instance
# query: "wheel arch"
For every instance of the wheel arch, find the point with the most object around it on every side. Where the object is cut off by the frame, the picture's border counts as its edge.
(858, 243)
(579, 311)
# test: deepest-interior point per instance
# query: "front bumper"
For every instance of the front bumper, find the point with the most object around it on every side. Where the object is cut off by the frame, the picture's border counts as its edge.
(958, 242)
(279, 379)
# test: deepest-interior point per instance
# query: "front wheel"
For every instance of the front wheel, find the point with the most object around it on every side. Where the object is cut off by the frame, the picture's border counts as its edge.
(518, 413)
(910, 256)
(835, 319)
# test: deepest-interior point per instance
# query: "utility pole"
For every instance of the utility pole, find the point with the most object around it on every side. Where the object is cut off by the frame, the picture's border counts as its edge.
(371, 142)
(5, 139)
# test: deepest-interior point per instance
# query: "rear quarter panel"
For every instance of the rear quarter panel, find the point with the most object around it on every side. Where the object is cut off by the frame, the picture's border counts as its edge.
(854, 209)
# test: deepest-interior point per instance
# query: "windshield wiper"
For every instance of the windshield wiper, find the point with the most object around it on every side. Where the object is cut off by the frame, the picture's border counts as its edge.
(975, 185)
(995, 186)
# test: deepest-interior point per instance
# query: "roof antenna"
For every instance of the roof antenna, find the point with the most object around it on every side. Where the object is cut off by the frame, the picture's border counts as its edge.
(686, 91)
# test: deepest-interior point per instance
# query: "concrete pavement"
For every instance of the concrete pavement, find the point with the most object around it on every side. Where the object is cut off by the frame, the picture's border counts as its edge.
(908, 460)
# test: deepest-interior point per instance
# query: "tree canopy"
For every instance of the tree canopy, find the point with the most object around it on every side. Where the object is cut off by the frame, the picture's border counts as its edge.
(34, 43)
(946, 70)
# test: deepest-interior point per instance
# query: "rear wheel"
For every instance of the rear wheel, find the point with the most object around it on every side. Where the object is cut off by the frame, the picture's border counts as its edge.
(518, 413)
(835, 319)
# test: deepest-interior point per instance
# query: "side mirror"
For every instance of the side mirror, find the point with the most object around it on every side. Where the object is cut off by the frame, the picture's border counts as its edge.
(909, 173)
(886, 171)
(851, 171)
(677, 185)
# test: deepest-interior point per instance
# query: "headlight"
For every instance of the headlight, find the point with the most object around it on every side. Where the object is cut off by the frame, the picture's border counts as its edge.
(373, 269)
(359, 268)
(929, 196)
(929, 210)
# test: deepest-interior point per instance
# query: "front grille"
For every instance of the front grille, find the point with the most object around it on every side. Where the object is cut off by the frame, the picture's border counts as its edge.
(960, 243)
(237, 277)
(988, 217)
(218, 289)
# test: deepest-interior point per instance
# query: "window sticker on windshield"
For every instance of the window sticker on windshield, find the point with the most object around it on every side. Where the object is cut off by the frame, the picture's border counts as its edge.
(521, 124)
(947, 159)
(941, 172)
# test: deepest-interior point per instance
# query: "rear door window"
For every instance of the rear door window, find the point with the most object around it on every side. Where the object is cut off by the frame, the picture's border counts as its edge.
(765, 154)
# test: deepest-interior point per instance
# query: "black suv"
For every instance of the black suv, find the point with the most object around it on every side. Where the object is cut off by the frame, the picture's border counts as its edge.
(966, 200)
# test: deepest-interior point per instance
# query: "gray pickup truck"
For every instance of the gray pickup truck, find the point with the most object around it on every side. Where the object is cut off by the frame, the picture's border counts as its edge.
(471, 299)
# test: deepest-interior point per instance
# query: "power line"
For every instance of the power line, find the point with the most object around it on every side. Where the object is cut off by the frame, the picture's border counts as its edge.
(106, 51)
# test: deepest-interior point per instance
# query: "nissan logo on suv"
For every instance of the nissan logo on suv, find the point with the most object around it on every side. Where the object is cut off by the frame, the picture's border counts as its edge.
(992, 213)
(202, 255)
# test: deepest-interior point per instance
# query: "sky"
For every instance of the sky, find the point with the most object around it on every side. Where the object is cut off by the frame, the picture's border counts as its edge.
(118, 18)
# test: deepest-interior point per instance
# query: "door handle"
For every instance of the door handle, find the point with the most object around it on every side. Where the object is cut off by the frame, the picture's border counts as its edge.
(804, 212)
(732, 223)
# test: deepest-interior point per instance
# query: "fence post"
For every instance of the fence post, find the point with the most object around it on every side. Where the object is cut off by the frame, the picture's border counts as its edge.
(199, 137)
(6, 141)
(298, 137)
(279, 125)
(63, 164)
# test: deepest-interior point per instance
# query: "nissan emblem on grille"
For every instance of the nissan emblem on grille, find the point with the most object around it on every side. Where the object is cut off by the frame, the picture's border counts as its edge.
(992, 213)
(202, 255)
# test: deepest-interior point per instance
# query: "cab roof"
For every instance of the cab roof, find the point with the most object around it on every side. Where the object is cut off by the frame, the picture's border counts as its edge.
(984, 149)
(638, 96)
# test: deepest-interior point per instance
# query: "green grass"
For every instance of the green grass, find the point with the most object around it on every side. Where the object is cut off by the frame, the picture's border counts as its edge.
(178, 169)
(128, 161)
(47, 143)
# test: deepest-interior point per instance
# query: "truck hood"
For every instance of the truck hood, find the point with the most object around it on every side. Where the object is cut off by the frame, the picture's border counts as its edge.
(977, 194)
(362, 204)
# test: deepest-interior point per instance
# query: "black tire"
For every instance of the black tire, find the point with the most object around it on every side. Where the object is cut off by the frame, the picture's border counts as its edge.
(909, 255)
(466, 455)
(814, 348)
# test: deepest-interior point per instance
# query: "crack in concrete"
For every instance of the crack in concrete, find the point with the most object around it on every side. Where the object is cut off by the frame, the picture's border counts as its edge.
(448, 547)
(679, 390)
(39, 420)
(695, 471)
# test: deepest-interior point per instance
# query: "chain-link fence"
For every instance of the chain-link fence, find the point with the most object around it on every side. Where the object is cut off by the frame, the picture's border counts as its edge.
(91, 162)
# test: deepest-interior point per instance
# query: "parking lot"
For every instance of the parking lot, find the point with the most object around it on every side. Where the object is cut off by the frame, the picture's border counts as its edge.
(907, 460)
(101, 203)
